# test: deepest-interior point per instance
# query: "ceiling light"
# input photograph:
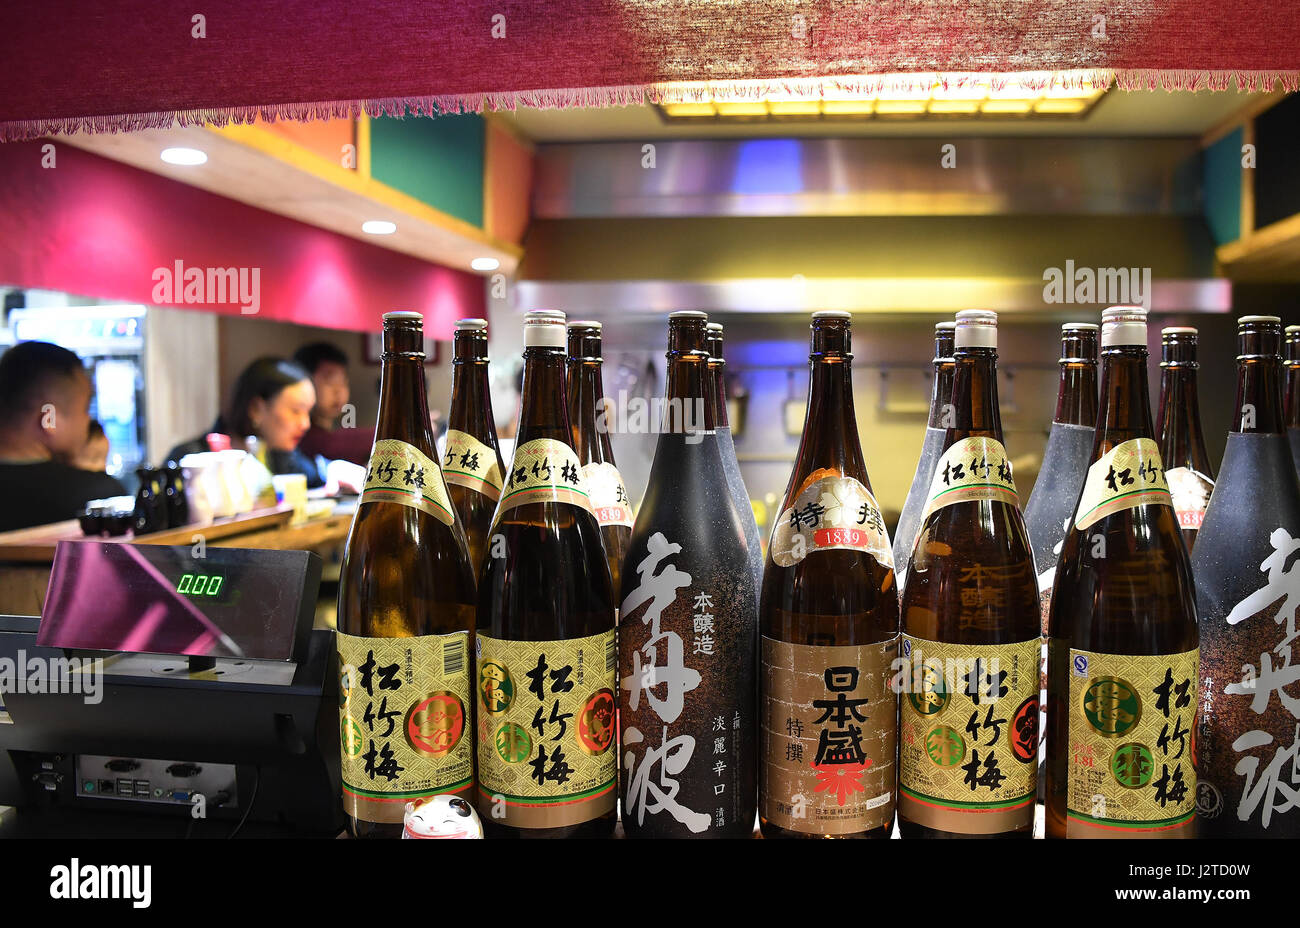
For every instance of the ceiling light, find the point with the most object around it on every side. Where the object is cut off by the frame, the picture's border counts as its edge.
(378, 227)
(742, 109)
(485, 264)
(689, 109)
(1003, 107)
(183, 156)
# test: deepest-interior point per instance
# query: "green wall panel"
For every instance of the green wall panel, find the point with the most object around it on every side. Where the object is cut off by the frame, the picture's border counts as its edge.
(438, 161)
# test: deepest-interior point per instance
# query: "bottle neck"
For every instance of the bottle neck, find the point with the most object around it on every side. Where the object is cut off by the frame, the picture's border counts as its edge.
(403, 404)
(716, 408)
(687, 406)
(1076, 396)
(1125, 412)
(975, 394)
(1179, 422)
(471, 399)
(941, 395)
(1293, 395)
(1259, 395)
(586, 399)
(543, 411)
(830, 435)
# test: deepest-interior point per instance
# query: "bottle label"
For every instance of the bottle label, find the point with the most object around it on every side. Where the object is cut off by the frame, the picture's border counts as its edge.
(974, 468)
(828, 737)
(547, 746)
(968, 738)
(404, 717)
(401, 473)
(831, 511)
(1131, 769)
(607, 494)
(467, 462)
(1127, 476)
(544, 471)
(1190, 491)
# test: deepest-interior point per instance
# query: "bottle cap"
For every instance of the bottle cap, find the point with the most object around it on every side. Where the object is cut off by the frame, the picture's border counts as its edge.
(977, 328)
(471, 325)
(832, 314)
(688, 314)
(1265, 320)
(1178, 330)
(1259, 337)
(544, 328)
(944, 326)
(404, 316)
(1079, 327)
(584, 324)
(1123, 325)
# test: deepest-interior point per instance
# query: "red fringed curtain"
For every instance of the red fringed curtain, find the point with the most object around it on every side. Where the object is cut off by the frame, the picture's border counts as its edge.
(79, 64)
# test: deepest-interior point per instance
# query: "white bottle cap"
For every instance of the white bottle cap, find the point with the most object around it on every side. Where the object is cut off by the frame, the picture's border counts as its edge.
(544, 328)
(584, 324)
(944, 325)
(1178, 330)
(1123, 325)
(403, 316)
(1265, 320)
(1077, 326)
(976, 328)
(471, 325)
(832, 314)
(688, 314)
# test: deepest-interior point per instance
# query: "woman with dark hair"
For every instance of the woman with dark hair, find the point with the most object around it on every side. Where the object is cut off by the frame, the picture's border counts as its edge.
(272, 402)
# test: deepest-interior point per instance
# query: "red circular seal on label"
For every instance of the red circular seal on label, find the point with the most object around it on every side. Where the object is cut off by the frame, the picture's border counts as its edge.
(1024, 731)
(434, 724)
(596, 724)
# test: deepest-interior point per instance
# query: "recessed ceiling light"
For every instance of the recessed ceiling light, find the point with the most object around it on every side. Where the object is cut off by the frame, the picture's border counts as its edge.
(185, 156)
(485, 264)
(378, 227)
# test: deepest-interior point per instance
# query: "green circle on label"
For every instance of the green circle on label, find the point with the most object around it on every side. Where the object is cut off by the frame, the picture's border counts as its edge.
(512, 743)
(1132, 765)
(944, 746)
(1111, 706)
(933, 695)
(350, 737)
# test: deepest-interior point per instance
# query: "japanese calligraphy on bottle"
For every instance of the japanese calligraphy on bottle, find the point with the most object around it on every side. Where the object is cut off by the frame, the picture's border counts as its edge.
(1190, 491)
(968, 738)
(403, 720)
(828, 738)
(832, 511)
(1130, 766)
(609, 500)
(974, 468)
(401, 473)
(544, 471)
(469, 463)
(546, 718)
(1127, 476)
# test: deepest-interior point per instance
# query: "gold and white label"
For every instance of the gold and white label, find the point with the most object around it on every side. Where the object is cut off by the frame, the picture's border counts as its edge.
(975, 468)
(607, 493)
(467, 462)
(832, 511)
(544, 471)
(403, 474)
(1129, 475)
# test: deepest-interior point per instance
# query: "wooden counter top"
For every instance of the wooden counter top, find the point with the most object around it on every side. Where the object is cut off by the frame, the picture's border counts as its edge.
(259, 528)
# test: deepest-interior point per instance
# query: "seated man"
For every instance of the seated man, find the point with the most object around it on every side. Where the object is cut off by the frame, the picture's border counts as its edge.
(328, 367)
(45, 398)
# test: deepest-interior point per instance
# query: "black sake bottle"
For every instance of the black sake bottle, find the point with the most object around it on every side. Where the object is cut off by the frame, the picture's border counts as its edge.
(688, 628)
(1247, 593)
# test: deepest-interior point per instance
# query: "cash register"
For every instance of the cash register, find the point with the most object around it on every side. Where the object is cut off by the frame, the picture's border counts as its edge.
(171, 685)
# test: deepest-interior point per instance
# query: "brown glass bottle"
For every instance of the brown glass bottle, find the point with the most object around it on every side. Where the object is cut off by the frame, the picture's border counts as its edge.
(1123, 612)
(1178, 427)
(1244, 736)
(1291, 390)
(547, 658)
(406, 598)
(968, 736)
(588, 415)
(471, 460)
(931, 449)
(829, 619)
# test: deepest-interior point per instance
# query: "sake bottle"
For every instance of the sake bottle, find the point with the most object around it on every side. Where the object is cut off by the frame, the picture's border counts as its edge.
(405, 612)
(931, 448)
(1182, 444)
(1247, 594)
(547, 657)
(716, 403)
(1122, 649)
(590, 420)
(688, 626)
(829, 615)
(968, 734)
(1292, 401)
(471, 461)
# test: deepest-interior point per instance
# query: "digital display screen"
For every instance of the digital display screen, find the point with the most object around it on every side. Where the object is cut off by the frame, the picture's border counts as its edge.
(158, 599)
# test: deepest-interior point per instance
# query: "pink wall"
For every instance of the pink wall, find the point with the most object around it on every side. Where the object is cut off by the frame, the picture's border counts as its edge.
(93, 227)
